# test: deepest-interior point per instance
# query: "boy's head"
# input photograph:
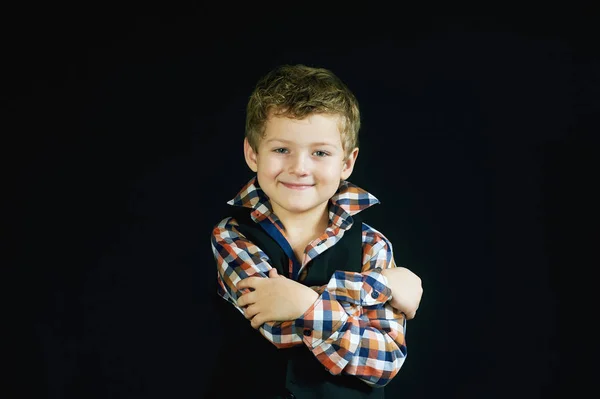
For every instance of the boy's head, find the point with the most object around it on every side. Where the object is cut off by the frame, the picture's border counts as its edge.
(301, 137)
(298, 91)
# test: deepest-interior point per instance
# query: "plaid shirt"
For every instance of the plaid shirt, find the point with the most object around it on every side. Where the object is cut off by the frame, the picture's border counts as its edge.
(355, 330)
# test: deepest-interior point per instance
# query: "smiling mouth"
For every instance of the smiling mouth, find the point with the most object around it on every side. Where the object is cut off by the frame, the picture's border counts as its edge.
(297, 186)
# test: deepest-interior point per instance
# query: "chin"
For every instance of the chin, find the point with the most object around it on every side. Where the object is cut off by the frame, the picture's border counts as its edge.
(298, 209)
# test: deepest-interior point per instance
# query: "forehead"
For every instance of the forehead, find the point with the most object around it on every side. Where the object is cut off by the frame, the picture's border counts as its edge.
(318, 127)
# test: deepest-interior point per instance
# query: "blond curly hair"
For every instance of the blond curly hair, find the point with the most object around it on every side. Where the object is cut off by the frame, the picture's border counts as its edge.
(298, 91)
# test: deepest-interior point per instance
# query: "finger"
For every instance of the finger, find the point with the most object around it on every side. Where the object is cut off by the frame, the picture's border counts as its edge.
(250, 312)
(241, 301)
(275, 274)
(246, 299)
(248, 282)
(257, 321)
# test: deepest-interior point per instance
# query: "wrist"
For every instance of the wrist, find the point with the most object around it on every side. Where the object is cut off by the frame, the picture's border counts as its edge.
(309, 299)
(311, 296)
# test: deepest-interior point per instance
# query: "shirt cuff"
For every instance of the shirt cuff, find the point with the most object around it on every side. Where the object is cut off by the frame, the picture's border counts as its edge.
(324, 318)
(375, 290)
(369, 288)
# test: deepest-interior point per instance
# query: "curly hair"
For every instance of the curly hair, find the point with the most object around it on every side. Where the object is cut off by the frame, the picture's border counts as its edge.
(298, 91)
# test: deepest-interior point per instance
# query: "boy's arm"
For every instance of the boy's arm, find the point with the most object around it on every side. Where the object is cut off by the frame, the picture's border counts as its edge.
(379, 281)
(343, 336)
(238, 258)
(352, 328)
(406, 290)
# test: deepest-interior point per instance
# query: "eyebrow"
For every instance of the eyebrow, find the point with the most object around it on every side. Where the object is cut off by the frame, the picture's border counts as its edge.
(312, 144)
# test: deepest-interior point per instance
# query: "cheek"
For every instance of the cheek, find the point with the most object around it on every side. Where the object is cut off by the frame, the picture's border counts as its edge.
(329, 170)
(270, 167)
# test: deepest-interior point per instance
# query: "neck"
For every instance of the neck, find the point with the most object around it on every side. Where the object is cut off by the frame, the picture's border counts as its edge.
(308, 222)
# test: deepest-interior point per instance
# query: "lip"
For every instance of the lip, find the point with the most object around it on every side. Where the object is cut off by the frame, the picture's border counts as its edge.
(293, 186)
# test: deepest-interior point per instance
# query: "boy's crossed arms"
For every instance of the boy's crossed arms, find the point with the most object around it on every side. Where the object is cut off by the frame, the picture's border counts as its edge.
(348, 325)
(281, 299)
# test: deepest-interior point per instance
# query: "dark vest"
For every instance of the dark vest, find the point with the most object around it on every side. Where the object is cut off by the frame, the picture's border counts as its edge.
(249, 366)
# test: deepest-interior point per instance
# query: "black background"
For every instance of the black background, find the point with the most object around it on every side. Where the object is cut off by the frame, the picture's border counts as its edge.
(123, 142)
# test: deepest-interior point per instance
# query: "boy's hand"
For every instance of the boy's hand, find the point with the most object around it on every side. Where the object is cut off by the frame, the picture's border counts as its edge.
(276, 298)
(406, 290)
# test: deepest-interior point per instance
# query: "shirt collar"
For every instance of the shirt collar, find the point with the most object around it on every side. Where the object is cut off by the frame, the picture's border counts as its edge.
(348, 200)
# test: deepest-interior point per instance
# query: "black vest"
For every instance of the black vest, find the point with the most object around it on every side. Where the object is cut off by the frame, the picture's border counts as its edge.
(249, 366)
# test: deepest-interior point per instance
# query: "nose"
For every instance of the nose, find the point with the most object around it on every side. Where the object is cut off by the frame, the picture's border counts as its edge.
(299, 164)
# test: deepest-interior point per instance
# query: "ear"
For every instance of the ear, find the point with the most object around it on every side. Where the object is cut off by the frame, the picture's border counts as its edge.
(349, 162)
(251, 156)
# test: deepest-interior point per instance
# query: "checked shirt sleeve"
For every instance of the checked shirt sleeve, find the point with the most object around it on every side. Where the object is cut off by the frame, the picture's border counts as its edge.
(238, 258)
(348, 330)
(368, 288)
(352, 329)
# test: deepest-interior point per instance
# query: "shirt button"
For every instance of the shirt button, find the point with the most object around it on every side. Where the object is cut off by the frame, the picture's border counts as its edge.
(307, 332)
(375, 294)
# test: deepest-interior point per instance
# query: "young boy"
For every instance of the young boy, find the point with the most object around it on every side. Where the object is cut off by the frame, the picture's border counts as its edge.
(326, 303)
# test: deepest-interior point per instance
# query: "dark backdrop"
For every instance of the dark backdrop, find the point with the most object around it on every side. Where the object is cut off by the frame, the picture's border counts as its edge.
(478, 138)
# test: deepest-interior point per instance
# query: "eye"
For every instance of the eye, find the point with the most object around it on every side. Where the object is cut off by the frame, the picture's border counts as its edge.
(321, 154)
(280, 150)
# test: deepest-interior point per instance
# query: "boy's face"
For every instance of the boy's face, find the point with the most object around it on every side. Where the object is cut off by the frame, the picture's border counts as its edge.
(299, 163)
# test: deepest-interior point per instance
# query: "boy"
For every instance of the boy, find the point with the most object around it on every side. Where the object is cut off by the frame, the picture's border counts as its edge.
(320, 286)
